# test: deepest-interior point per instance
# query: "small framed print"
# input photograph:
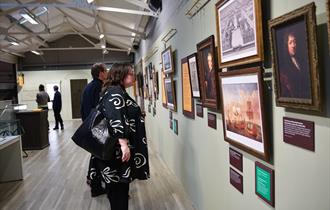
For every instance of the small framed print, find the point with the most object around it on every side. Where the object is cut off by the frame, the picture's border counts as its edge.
(265, 183)
(243, 111)
(208, 69)
(187, 97)
(239, 32)
(167, 60)
(194, 75)
(295, 59)
(170, 93)
(212, 120)
(199, 110)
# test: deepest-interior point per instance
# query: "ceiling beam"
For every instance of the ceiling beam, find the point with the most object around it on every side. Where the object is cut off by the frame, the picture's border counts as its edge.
(68, 33)
(14, 9)
(82, 48)
(138, 3)
(142, 35)
(81, 5)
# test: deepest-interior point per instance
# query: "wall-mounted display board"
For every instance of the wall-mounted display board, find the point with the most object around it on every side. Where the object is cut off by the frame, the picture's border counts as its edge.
(167, 61)
(212, 120)
(236, 179)
(265, 183)
(187, 97)
(239, 32)
(194, 75)
(243, 111)
(295, 59)
(208, 73)
(175, 126)
(299, 133)
(164, 102)
(236, 159)
(170, 93)
(199, 110)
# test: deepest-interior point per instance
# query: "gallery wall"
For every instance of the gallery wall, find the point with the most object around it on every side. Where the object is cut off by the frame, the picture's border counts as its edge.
(32, 79)
(199, 156)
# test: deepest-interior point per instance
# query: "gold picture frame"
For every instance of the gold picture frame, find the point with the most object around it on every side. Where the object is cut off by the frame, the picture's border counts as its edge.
(295, 59)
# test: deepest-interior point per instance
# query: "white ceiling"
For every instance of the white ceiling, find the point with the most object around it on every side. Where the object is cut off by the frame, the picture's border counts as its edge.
(58, 18)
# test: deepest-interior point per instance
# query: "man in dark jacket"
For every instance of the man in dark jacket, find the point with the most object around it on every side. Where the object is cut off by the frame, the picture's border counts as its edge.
(89, 100)
(57, 106)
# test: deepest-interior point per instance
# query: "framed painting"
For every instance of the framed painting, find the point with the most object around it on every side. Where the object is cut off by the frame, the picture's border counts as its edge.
(170, 93)
(243, 111)
(239, 32)
(167, 60)
(207, 69)
(295, 60)
(187, 97)
(194, 76)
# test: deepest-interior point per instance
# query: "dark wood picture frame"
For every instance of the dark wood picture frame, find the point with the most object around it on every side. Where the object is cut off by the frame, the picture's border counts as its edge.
(209, 92)
(187, 90)
(170, 93)
(272, 183)
(244, 122)
(194, 75)
(239, 42)
(297, 83)
(167, 61)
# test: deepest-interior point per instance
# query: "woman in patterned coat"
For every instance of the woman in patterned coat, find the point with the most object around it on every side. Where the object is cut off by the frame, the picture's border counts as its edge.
(127, 125)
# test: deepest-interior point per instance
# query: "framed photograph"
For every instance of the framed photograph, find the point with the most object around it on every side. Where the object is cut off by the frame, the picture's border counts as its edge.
(295, 60)
(208, 73)
(167, 60)
(265, 183)
(170, 93)
(239, 32)
(243, 111)
(187, 97)
(194, 76)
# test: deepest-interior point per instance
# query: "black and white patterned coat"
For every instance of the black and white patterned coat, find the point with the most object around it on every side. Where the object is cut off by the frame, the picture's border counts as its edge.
(126, 121)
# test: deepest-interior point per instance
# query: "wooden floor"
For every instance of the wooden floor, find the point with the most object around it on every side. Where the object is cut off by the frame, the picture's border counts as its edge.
(54, 178)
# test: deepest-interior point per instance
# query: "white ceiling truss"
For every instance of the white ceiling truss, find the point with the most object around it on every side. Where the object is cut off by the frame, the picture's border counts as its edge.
(122, 22)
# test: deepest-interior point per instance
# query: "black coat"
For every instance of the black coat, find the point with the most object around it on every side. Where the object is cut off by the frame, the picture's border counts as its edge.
(90, 97)
(57, 102)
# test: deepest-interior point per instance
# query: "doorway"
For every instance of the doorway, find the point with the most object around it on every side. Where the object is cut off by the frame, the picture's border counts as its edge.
(77, 87)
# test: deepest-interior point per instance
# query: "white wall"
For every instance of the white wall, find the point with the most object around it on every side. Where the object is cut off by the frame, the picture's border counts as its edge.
(198, 156)
(32, 79)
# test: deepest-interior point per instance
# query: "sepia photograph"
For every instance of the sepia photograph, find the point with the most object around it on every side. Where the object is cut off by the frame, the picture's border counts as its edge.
(208, 73)
(239, 32)
(194, 78)
(294, 54)
(243, 117)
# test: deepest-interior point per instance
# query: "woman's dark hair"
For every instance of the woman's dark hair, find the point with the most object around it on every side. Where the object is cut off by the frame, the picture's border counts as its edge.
(117, 74)
(96, 69)
(41, 87)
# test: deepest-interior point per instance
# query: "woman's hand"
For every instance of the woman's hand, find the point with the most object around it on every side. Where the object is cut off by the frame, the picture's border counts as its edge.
(126, 153)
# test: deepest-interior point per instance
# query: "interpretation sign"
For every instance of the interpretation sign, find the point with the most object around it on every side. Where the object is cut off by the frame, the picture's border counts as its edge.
(264, 183)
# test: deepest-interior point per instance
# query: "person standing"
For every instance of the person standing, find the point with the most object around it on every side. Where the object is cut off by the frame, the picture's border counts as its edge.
(89, 100)
(42, 101)
(127, 127)
(57, 106)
